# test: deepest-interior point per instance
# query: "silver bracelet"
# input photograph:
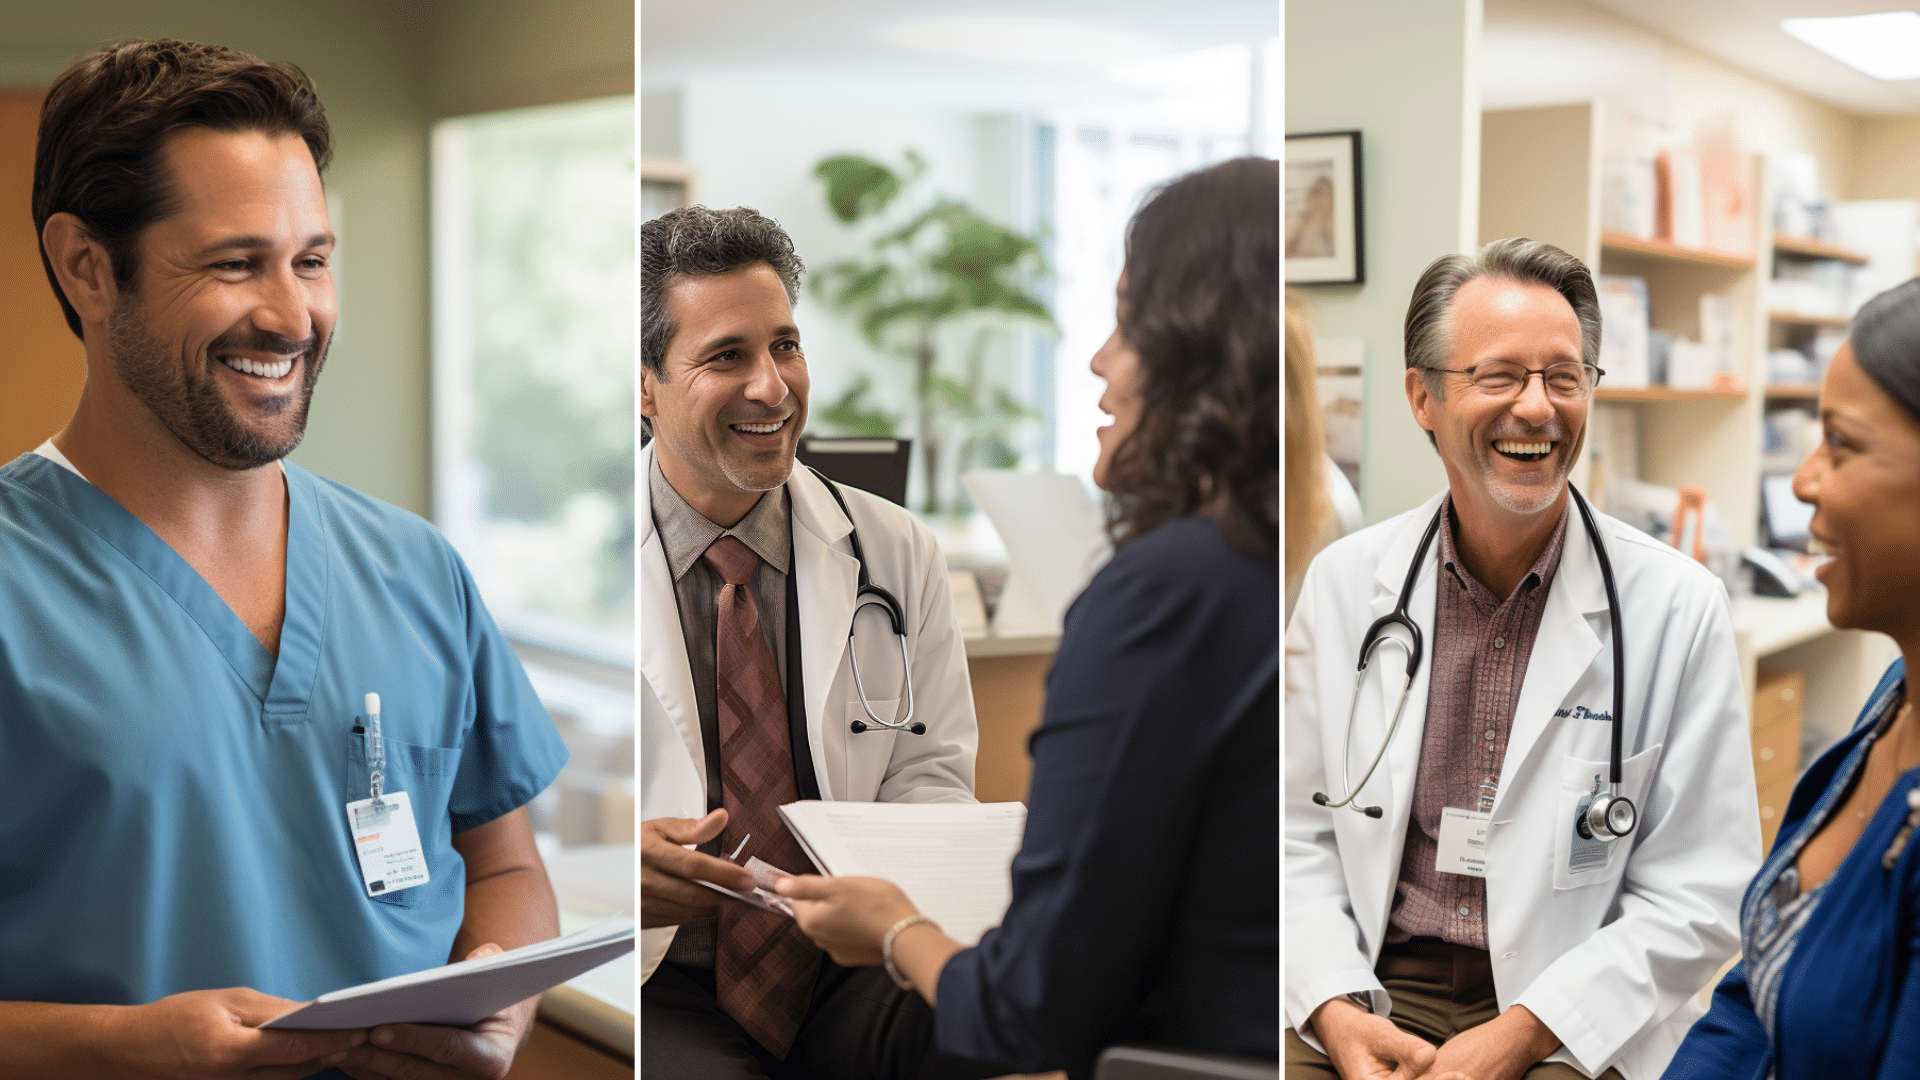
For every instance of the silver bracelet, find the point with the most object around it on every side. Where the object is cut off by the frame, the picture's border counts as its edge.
(886, 949)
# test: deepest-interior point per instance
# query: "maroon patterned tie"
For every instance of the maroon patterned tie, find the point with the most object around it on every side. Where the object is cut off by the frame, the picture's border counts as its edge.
(764, 966)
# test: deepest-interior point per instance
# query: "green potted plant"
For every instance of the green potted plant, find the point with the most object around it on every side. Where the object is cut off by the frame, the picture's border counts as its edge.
(935, 289)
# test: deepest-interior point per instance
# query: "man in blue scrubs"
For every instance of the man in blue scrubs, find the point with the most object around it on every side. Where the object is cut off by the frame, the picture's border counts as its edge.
(189, 627)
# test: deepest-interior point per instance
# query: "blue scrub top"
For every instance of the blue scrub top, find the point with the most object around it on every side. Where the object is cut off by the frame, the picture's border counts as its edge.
(172, 795)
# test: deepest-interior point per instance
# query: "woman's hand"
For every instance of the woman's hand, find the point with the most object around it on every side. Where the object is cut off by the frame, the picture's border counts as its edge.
(846, 916)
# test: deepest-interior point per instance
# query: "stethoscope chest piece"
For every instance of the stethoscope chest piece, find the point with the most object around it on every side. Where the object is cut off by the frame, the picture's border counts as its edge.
(1607, 817)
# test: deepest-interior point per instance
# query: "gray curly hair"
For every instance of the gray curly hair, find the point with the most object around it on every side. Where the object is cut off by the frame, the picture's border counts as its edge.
(696, 240)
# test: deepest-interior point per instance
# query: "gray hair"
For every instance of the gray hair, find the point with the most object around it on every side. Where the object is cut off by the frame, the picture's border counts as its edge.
(696, 240)
(1429, 333)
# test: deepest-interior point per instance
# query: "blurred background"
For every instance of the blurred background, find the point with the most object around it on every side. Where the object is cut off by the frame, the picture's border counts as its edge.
(482, 372)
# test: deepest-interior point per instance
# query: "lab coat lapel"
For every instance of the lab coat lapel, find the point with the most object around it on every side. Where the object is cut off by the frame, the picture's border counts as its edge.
(1563, 649)
(825, 582)
(663, 648)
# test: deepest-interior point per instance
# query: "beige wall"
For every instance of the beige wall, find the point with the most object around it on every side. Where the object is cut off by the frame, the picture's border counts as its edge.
(1886, 162)
(1403, 72)
(386, 69)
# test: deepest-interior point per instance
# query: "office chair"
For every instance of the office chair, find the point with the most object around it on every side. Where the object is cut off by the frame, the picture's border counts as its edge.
(1152, 1063)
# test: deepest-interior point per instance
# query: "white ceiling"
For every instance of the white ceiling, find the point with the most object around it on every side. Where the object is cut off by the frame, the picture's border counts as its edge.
(1747, 33)
(872, 40)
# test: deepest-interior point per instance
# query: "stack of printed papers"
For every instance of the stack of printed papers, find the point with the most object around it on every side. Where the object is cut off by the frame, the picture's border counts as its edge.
(470, 991)
(953, 860)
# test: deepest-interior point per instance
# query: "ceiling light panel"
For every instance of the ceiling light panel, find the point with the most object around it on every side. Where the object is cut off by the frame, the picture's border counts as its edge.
(1884, 45)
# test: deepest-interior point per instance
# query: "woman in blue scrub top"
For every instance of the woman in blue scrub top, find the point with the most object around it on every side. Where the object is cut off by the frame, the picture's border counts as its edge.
(1146, 891)
(1829, 986)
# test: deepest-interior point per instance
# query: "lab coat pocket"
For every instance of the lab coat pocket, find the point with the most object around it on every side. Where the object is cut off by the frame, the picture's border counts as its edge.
(426, 774)
(1579, 862)
(870, 751)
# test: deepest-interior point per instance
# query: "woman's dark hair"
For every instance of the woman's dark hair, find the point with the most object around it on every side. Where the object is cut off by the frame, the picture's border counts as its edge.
(1885, 336)
(1202, 309)
(107, 116)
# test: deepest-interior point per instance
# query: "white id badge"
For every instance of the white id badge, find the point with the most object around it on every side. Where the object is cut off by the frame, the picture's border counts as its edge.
(388, 844)
(1463, 842)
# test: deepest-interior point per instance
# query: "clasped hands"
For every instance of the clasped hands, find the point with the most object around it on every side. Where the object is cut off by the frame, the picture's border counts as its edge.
(1366, 1046)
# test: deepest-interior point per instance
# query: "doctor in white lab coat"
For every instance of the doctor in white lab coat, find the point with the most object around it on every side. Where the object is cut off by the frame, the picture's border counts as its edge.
(724, 384)
(1592, 965)
(872, 766)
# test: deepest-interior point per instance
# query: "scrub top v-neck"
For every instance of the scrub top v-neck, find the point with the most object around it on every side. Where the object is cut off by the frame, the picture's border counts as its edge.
(172, 794)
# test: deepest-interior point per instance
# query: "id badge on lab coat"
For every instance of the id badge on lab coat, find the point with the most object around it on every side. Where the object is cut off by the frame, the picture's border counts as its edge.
(388, 843)
(1463, 842)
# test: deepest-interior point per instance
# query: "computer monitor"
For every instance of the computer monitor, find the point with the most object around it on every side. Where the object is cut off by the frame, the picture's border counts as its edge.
(875, 465)
(1788, 520)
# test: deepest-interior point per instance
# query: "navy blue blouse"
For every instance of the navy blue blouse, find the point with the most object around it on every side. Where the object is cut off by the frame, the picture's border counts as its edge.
(1847, 999)
(1146, 901)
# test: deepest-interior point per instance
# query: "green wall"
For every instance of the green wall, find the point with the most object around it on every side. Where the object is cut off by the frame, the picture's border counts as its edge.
(386, 69)
(1406, 74)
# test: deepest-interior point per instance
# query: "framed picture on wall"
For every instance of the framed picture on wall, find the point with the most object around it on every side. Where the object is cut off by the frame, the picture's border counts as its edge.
(1324, 237)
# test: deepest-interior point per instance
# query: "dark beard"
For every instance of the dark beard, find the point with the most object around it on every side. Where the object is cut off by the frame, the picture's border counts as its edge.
(187, 401)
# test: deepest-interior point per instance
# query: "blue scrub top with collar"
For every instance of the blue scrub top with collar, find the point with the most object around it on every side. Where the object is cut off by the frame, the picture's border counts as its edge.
(172, 795)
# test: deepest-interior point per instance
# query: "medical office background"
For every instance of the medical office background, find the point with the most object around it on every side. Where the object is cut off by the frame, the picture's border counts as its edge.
(1046, 121)
(481, 375)
(1740, 193)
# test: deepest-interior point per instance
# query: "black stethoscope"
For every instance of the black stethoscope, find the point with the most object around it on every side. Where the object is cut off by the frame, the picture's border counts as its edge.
(1607, 815)
(867, 594)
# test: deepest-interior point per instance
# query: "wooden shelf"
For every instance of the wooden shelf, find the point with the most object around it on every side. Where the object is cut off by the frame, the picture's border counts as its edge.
(1794, 245)
(1800, 319)
(1666, 393)
(1627, 244)
(1793, 392)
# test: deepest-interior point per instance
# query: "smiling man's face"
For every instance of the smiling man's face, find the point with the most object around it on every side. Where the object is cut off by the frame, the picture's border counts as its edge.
(227, 326)
(1506, 457)
(728, 410)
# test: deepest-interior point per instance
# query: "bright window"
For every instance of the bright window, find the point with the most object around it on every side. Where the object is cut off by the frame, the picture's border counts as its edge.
(533, 368)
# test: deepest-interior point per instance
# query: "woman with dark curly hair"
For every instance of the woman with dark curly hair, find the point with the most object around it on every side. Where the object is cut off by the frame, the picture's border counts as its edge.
(1146, 891)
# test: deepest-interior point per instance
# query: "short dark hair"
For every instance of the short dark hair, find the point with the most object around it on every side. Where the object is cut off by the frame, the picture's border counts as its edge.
(107, 117)
(1202, 310)
(695, 240)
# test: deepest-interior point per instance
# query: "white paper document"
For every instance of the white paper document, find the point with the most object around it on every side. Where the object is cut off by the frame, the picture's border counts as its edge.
(952, 860)
(469, 991)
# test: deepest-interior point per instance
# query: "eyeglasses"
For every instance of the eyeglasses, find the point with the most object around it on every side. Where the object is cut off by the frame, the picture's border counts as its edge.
(1505, 379)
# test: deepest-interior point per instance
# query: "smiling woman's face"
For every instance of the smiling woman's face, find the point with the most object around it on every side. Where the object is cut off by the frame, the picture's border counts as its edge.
(1864, 484)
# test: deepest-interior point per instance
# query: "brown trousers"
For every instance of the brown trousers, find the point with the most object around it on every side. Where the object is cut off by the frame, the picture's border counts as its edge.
(1438, 991)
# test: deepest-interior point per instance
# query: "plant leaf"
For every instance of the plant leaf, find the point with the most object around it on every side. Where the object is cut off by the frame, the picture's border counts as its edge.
(857, 186)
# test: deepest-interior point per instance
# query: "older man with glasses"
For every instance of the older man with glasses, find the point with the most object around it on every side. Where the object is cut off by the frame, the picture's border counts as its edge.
(1458, 909)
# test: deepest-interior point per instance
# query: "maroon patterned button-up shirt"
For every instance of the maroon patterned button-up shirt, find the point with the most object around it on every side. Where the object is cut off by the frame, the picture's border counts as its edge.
(1480, 647)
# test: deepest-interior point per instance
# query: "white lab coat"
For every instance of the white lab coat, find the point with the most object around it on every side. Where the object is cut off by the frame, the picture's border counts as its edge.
(874, 766)
(1610, 959)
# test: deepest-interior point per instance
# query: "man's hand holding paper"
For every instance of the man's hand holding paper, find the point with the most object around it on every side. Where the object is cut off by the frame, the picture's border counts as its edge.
(482, 1051)
(668, 870)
